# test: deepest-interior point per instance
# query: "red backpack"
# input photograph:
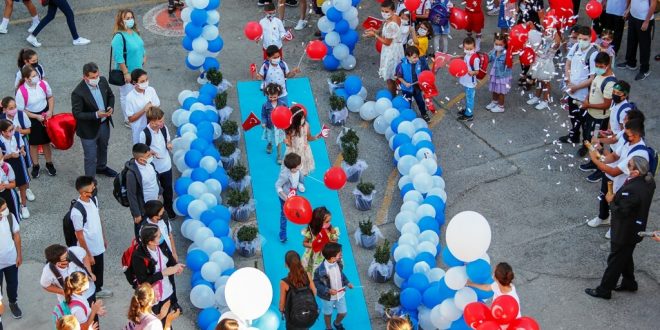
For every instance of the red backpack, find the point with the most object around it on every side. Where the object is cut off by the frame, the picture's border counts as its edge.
(483, 64)
(126, 263)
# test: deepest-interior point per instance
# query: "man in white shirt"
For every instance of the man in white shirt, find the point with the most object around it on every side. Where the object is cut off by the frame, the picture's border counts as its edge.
(89, 230)
(138, 101)
(641, 24)
(141, 183)
(11, 257)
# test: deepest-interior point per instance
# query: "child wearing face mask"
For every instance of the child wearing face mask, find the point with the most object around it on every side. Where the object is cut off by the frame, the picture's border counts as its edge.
(141, 183)
(7, 185)
(138, 101)
(14, 154)
(74, 289)
(469, 81)
(500, 74)
(391, 52)
(275, 70)
(273, 31)
(154, 211)
(28, 56)
(289, 182)
(158, 138)
(317, 235)
(22, 123)
(604, 44)
(331, 284)
(420, 37)
(439, 19)
(273, 135)
(297, 139)
(407, 72)
(406, 28)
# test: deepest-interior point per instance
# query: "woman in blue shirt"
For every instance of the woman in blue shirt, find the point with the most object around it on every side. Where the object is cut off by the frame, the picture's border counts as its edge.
(127, 37)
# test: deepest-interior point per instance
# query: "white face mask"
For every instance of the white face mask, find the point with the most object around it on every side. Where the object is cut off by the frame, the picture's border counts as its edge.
(405, 22)
(94, 82)
(144, 85)
(275, 61)
(5, 213)
(499, 48)
(422, 32)
(584, 43)
(385, 15)
(35, 80)
(469, 52)
(150, 159)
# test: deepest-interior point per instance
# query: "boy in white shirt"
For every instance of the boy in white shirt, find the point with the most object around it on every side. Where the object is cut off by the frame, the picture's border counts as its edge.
(275, 70)
(11, 257)
(138, 101)
(273, 30)
(157, 137)
(89, 230)
(141, 183)
(469, 81)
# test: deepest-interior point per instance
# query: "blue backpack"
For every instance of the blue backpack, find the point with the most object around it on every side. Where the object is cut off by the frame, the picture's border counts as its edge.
(439, 14)
(653, 157)
(266, 65)
(619, 113)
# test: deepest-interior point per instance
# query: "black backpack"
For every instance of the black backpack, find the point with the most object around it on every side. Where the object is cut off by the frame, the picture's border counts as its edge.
(300, 308)
(119, 187)
(67, 224)
(147, 135)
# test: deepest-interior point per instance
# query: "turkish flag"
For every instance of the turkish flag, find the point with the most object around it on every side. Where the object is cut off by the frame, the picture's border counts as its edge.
(253, 70)
(428, 89)
(288, 36)
(440, 61)
(372, 23)
(250, 122)
(320, 240)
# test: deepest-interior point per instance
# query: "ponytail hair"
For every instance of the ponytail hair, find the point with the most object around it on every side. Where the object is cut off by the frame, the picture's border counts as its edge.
(5, 102)
(504, 273)
(53, 254)
(74, 283)
(141, 302)
(24, 55)
(26, 71)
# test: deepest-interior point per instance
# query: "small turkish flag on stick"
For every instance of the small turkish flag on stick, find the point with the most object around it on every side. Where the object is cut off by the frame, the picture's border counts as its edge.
(251, 122)
(253, 70)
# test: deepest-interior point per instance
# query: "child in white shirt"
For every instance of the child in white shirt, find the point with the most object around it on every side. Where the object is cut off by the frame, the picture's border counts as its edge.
(138, 101)
(74, 289)
(502, 286)
(14, 154)
(273, 30)
(158, 138)
(275, 70)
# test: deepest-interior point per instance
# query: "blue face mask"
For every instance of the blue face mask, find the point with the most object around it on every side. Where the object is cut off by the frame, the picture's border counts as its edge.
(129, 23)
(600, 71)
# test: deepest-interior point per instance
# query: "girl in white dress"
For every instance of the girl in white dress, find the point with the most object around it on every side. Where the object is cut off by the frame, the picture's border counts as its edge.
(502, 286)
(392, 51)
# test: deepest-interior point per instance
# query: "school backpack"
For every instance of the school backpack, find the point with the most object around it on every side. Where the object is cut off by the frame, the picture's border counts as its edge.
(607, 80)
(653, 157)
(483, 64)
(127, 264)
(147, 135)
(67, 224)
(62, 309)
(439, 14)
(24, 91)
(300, 308)
(119, 187)
(17, 136)
(628, 105)
(21, 120)
(266, 66)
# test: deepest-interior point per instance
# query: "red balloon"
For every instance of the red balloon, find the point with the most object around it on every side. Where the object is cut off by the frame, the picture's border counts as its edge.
(527, 56)
(476, 313)
(61, 128)
(281, 117)
(412, 5)
(524, 323)
(489, 325)
(253, 30)
(458, 18)
(594, 36)
(379, 45)
(504, 309)
(518, 36)
(563, 8)
(426, 76)
(457, 67)
(594, 9)
(550, 21)
(334, 178)
(316, 50)
(298, 210)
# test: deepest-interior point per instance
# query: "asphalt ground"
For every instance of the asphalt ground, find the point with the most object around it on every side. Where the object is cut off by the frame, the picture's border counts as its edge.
(504, 166)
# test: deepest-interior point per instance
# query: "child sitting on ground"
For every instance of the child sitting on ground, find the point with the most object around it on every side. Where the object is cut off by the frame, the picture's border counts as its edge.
(272, 134)
(288, 183)
(326, 279)
(275, 70)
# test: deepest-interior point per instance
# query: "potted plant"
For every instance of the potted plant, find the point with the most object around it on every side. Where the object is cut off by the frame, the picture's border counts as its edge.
(364, 195)
(228, 154)
(214, 76)
(347, 136)
(388, 304)
(335, 81)
(238, 178)
(230, 132)
(351, 164)
(224, 111)
(368, 237)
(338, 112)
(247, 241)
(381, 268)
(239, 204)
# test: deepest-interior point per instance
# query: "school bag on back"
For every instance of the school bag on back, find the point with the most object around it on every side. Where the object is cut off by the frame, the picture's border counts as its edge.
(483, 64)
(67, 224)
(127, 263)
(439, 14)
(25, 94)
(63, 309)
(300, 308)
(119, 187)
(653, 158)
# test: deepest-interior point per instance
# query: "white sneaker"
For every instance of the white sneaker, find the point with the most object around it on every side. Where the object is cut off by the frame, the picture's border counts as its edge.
(533, 100)
(301, 188)
(3, 29)
(494, 12)
(598, 222)
(608, 233)
(25, 213)
(497, 109)
(301, 25)
(33, 26)
(542, 105)
(105, 293)
(33, 41)
(30, 195)
(491, 105)
(81, 41)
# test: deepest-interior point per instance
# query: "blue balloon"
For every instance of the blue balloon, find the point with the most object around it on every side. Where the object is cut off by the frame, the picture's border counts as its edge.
(407, 149)
(418, 281)
(190, 66)
(196, 276)
(460, 325)
(181, 185)
(431, 296)
(426, 257)
(400, 103)
(205, 130)
(394, 246)
(350, 38)
(216, 45)
(406, 188)
(219, 228)
(342, 26)
(221, 176)
(329, 49)
(211, 63)
(205, 99)
(333, 14)
(330, 62)
(207, 317)
(449, 258)
(207, 217)
(356, 3)
(187, 43)
(483, 295)
(197, 117)
(199, 144)
(193, 30)
(199, 174)
(268, 321)
(341, 92)
(213, 153)
(384, 93)
(436, 202)
(404, 267)
(196, 259)
(228, 246)
(425, 144)
(188, 102)
(228, 272)
(478, 271)
(425, 129)
(410, 298)
(203, 282)
(408, 114)
(394, 125)
(192, 158)
(211, 115)
(428, 223)
(440, 218)
(182, 203)
(444, 291)
(209, 89)
(222, 212)
(198, 17)
(400, 139)
(352, 84)
(213, 4)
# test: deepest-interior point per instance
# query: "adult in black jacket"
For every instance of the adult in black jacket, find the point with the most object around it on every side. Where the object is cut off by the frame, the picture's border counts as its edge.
(146, 264)
(630, 211)
(91, 104)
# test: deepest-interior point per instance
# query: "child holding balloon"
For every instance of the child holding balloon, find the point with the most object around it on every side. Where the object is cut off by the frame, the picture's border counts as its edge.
(502, 286)
(288, 183)
(317, 235)
(275, 70)
(500, 74)
(272, 134)
(469, 80)
(298, 137)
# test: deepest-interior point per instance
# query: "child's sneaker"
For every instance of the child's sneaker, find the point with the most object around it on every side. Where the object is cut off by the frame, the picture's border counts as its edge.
(426, 118)
(81, 41)
(301, 25)
(542, 105)
(497, 109)
(464, 118)
(269, 148)
(533, 100)
(491, 105)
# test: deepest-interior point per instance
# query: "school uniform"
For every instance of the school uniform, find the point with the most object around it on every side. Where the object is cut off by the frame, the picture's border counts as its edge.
(165, 229)
(148, 267)
(409, 72)
(7, 175)
(80, 308)
(287, 183)
(600, 89)
(49, 278)
(579, 71)
(93, 233)
(135, 101)
(21, 120)
(8, 255)
(40, 72)
(141, 186)
(162, 162)
(273, 33)
(470, 84)
(36, 103)
(13, 145)
(275, 74)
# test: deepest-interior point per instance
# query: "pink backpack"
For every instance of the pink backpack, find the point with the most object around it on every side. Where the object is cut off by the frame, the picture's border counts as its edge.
(24, 91)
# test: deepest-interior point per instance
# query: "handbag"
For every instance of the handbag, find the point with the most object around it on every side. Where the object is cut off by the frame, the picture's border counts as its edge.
(115, 76)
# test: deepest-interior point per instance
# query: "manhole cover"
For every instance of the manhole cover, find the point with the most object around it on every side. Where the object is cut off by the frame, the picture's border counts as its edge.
(158, 21)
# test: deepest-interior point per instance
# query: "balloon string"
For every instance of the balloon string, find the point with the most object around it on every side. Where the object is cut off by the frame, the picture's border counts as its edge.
(313, 178)
(301, 56)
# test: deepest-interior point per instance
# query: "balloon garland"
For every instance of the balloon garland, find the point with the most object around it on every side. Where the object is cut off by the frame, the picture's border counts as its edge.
(339, 34)
(202, 39)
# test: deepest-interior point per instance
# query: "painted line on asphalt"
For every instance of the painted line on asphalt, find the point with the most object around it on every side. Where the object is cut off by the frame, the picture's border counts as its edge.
(387, 198)
(96, 10)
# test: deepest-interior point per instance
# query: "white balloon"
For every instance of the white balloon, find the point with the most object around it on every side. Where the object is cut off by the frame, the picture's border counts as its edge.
(209, 32)
(197, 189)
(398, 280)
(340, 51)
(196, 59)
(438, 192)
(363, 93)
(176, 117)
(421, 136)
(421, 267)
(410, 206)
(353, 22)
(209, 199)
(449, 310)
(419, 123)
(185, 14)
(402, 218)
(201, 235)
(348, 63)
(463, 297)
(389, 133)
(424, 153)
(197, 106)
(438, 182)
(193, 246)
(202, 296)
(390, 114)
(212, 17)
(456, 277)
(438, 320)
(417, 169)
(332, 39)
(435, 274)
(209, 164)
(342, 5)
(220, 296)
(424, 316)
(200, 44)
(425, 210)
(367, 111)
(196, 208)
(325, 25)
(210, 271)
(431, 167)
(423, 182)
(213, 186)
(222, 280)
(199, 4)
(406, 128)
(222, 259)
(429, 236)
(382, 105)
(411, 229)
(253, 283)
(350, 14)
(188, 128)
(380, 124)
(217, 131)
(413, 195)
(404, 180)
(426, 247)
(191, 226)
(184, 118)
(187, 172)
(468, 236)
(405, 163)
(404, 251)
(325, 6)
(354, 102)
(183, 95)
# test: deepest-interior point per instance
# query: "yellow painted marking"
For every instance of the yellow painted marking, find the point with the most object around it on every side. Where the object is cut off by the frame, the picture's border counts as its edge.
(338, 161)
(387, 199)
(135, 3)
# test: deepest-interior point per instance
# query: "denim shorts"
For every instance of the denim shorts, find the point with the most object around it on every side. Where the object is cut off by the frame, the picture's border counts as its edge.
(439, 29)
(329, 305)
